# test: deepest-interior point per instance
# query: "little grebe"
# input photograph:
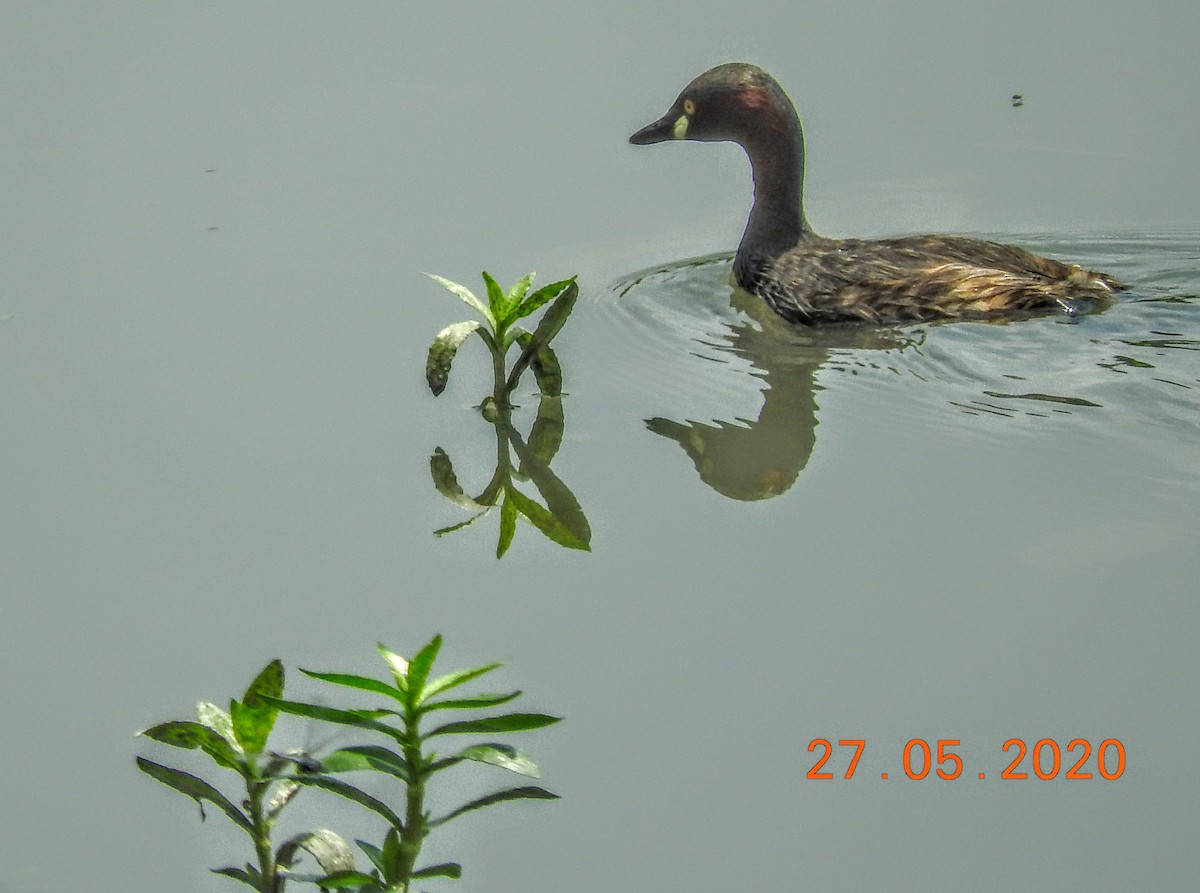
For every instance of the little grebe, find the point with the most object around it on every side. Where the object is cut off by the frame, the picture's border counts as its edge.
(807, 278)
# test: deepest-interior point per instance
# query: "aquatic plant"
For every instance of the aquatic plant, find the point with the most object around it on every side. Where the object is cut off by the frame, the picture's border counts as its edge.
(237, 740)
(500, 332)
(560, 519)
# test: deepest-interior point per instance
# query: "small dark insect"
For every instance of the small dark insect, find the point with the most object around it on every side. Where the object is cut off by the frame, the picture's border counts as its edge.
(1017, 100)
(304, 761)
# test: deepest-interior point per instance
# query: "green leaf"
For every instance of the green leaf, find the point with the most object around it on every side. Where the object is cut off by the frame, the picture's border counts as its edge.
(549, 325)
(541, 296)
(561, 503)
(463, 292)
(197, 789)
(545, 365)
(546, 522)
(362, 719)
(497, 300)
(342, 879)
(374, 853)
(458, 677)
(418, 670)
(364, 683)
(393, 855)
(470, 703)
(361, 757)
(249, 875)
(397, 664)
(445, 869)
(509, 722)
(193, 735)
(330, 851)
(350, 792)
(547, 434)
(254, 716)
(443, 350)
(461, 524)
(522, 793)
(517, 293)
(502, 755)
(508, 525)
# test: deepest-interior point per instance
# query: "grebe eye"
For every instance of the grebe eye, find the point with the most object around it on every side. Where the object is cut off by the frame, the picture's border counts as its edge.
(689, 107)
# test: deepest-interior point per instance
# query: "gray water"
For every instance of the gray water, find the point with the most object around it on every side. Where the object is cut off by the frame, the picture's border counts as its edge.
(218, 436)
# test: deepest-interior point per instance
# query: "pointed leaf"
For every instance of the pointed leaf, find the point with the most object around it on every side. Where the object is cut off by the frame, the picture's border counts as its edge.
(393, 855)
(193, 735)
(361, 757)
(522, 793)
(397, 664)
(443, 350)
(254, 716)
(330, 851)
(445, 869)
(561, 504)
(197, 789)
(463, 292)
(502, 755)
(364, 683)
(350, 792)
(546, 522)
(517, 293)
(362, 719)
(459, 526)
(418, 670)
(374, 853)
(248, 875)
(508, 525)
(547, 434)
(549, 325)
(470, 703)
(509, 722)
(542, 295)
(458, 677)
(497, 300)
(341, 879)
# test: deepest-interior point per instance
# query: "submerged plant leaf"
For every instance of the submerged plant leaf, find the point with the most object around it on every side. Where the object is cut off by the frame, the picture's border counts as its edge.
(193, 735)
(465, 293)
(508, 525)
(442, 351)
(503, 755)
(523, 793)
(548, 523)
(341, 879)
(546, 435)
(442, 470)
(197, 789)
(509, 722)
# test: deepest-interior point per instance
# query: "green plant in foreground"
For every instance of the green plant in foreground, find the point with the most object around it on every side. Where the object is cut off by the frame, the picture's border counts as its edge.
(237, 740)
(501, 313)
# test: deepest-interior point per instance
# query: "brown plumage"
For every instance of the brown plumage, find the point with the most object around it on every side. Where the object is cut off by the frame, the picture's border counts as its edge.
(810, 279)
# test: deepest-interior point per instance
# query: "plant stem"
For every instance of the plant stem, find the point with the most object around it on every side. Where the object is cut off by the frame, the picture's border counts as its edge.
(413, 832)
(500, 387)
(271, 882)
